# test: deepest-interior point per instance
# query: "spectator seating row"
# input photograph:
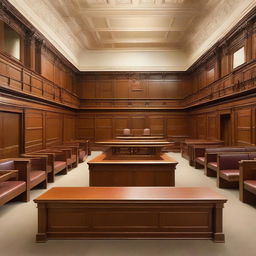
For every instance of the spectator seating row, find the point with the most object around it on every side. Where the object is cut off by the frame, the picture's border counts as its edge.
(35, 169)
(233, 166)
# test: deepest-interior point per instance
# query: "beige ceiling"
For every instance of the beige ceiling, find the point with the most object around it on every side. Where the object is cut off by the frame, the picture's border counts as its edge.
(185, 26)
(131, 24)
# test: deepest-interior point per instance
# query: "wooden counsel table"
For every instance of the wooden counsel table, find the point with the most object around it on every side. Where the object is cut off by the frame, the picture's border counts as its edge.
(140, 137)
(132, 170)
(146, 147)
(130, 213)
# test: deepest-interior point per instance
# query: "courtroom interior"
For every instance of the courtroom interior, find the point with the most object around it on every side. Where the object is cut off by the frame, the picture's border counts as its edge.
(127, 127)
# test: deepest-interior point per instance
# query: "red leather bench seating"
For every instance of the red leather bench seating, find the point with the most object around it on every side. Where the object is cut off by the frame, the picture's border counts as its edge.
(34, 169)
(211, 155)
(83, 148)
(12, 187)
(49, 159)
(72, 154)
(228, 168)
(58, 160)
(247, 181)
(205, 144)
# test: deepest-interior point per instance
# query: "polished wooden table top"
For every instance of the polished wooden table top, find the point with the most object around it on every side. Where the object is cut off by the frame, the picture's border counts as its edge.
(119, 143)
(140, 137)
(129, 193)
(134, 159)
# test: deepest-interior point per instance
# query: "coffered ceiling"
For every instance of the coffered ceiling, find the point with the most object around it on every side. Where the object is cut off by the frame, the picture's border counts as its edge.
(77, 27)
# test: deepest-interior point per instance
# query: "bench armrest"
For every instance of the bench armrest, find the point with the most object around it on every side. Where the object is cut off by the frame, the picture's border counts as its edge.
(247, 169)
(8, 175)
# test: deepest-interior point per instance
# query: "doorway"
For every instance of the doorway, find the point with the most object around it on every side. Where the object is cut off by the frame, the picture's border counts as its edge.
(225, 129)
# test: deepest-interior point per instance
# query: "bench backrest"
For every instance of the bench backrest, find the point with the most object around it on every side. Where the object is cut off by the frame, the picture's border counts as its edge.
(231, 161)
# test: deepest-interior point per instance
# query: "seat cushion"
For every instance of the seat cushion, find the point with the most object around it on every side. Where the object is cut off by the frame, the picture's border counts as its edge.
(59, 165)
(71, 160)
(9, 187)
(34, 175)
(230, 175)
(213, 166)
(250, 185)
(200, 160)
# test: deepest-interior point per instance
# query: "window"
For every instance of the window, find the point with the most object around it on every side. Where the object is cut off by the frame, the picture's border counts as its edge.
(238, 57)
(9, 40)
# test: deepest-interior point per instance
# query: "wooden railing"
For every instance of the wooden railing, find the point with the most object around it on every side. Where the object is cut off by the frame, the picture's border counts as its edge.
(16, 78)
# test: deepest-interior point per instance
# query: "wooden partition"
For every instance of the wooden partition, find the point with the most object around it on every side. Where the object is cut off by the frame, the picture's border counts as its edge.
(239, 122)
(95, 125)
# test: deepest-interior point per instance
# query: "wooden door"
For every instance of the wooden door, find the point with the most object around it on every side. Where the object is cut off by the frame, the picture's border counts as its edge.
(225, 129)
(10, 132)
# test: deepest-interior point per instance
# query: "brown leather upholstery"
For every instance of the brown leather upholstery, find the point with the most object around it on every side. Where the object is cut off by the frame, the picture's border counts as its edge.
(34, 175)
(230, 175)
(228, 169)
(200, 160)
(213, 166)
(7, 165)
(59, 165)
(250, 185)
(231, 161)
(11, 187)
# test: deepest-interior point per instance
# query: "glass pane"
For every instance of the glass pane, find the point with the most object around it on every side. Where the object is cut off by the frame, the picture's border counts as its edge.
(10, 40)
(238, 57)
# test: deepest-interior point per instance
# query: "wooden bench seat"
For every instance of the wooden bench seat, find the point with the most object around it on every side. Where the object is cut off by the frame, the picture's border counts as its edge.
(11, 187)
(228, 171)
(247, 181)
(211, 155)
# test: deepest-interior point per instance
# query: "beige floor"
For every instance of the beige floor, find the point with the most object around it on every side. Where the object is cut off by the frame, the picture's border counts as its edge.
(18, 226)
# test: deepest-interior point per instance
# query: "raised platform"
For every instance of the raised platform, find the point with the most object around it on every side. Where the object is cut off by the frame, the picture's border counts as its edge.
(130, 213)
(132, 170)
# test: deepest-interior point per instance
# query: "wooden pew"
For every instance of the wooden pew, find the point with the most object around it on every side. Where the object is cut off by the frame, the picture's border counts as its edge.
(228, 168)
(12, 186)
(211, 155)
(186, 147)
(33, 171)
(247, 181)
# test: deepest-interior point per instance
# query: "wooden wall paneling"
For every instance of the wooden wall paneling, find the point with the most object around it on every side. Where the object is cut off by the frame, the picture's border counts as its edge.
(201, 126)
(47, 68)
(103, 127)
(254, 43)
(138, 123)
(104, 89)
(53, 127)
(138, 88)
(156, 125)
(87, 89)
(15, 77)
(119, 124)
(156, 89)
(68, 128)
(212, 126)
(121, 88)
(36, 86)
(177, 126)
(34, 130)
(85, 127)
(173, 89)
(243, 126)
(11, 130)
(4, 73)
